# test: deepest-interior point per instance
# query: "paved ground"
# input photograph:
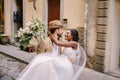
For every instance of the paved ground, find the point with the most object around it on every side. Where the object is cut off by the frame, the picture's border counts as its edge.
(89, 74)
(17, 53)
(10, 68)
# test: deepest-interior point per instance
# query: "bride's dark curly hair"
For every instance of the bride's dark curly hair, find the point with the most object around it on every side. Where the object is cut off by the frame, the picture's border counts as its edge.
(74, 34)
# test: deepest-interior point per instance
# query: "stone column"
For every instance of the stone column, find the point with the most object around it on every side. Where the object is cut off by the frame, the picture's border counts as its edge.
(8, 17)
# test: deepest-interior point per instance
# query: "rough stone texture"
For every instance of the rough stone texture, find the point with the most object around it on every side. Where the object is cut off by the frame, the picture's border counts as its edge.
(90, 62)
(99, 60)
(101, 29)
(10, 68)
(105, 29)
(100, 45)
(95, 75)
(96, 61)
(103, 4)
(81, 35)
(99, 67)
(102, 20)
(102, 12)
(101, 37)
(1, 74)
(100, 52)
(6, 77)
(17, 53)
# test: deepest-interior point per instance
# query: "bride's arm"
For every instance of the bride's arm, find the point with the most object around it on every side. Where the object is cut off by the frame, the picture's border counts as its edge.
(72, 44)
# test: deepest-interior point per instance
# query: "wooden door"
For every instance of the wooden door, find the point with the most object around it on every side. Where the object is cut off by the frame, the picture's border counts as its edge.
(1, 16)
(53, 10)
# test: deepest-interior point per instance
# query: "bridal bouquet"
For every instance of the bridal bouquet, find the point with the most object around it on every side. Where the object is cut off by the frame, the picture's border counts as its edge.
(35, 29)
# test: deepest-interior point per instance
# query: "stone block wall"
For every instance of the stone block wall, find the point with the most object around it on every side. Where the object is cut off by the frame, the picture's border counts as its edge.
(96, 62)
(102, 19)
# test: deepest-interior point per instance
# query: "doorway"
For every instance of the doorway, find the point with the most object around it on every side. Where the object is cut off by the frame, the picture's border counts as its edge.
(1, 16)
(17, 15)
(113, 55)
(53, 10)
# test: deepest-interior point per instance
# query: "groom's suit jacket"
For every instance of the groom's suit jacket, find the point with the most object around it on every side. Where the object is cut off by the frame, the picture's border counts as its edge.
(45, 46)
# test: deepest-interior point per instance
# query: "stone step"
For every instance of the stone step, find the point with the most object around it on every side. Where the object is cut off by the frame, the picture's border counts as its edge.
(17, 53)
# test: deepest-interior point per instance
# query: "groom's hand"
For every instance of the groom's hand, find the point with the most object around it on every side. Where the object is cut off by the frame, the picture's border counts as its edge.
(51, 36)
(41, 47)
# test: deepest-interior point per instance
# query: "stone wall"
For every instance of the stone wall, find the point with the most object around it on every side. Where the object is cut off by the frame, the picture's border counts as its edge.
(81, 35)
(102, 19)
(96, 61)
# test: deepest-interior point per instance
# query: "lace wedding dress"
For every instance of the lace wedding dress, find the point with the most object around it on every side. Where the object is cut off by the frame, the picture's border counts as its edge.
(50, 66)
(79, 57)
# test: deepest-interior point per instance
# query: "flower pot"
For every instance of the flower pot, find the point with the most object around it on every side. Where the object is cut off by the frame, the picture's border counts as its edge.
(30, 48)
(5, 39)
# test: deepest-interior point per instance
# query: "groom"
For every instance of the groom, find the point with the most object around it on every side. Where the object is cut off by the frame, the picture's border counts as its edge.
(46, 45)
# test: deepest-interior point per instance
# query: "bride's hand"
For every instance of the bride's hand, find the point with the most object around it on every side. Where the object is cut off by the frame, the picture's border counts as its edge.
(71, 60)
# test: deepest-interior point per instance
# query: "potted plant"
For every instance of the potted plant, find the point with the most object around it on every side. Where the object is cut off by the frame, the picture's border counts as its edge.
(35, 28)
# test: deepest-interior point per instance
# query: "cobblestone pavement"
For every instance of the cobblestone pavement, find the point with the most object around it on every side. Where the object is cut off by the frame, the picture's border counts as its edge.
(10, 68)
(89, 74)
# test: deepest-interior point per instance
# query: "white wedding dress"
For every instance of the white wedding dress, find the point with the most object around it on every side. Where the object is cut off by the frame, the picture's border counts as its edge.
(50, 66)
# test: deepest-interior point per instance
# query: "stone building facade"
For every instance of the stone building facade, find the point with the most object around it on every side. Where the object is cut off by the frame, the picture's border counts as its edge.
(103, 41)
(103, 27)
(68, 12)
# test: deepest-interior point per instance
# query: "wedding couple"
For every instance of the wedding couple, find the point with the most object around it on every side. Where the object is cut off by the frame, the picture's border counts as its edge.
(56, 58)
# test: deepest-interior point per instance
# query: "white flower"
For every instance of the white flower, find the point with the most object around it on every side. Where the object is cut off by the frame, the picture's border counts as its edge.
(21, 29)
(37, 24)
(37, 30)
(29, 23)
(19, 34)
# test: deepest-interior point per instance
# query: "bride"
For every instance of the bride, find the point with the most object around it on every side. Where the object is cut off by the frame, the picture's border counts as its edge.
(47, 66)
